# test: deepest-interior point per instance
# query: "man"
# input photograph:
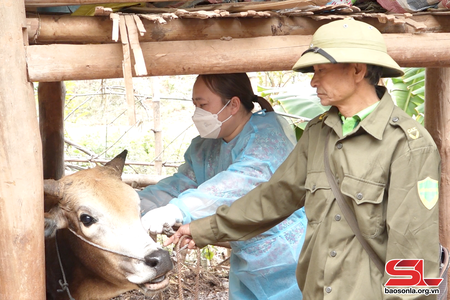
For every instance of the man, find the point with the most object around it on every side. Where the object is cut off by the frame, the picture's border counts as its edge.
(386, 165)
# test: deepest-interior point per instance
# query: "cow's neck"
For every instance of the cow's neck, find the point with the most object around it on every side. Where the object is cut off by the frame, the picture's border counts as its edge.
(53, 269)
(82, 282)
(86, 286)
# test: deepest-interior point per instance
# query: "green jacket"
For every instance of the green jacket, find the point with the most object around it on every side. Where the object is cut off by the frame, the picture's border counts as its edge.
(379, 168)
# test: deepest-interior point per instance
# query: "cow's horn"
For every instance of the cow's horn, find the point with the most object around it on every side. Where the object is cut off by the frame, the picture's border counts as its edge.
(118, 162)
(53, 188)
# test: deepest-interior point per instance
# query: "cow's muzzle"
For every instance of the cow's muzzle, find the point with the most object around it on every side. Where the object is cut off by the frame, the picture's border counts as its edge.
(160, 261)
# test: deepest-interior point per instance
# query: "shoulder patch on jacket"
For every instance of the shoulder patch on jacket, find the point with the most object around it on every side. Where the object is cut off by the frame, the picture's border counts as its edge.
(410, 127)
(413, 133)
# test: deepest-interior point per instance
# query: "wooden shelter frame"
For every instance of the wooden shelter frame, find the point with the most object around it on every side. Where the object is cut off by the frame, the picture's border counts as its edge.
(236, 38)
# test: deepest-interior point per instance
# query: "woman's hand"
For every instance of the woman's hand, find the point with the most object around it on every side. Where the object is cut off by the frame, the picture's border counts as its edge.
(183, 230)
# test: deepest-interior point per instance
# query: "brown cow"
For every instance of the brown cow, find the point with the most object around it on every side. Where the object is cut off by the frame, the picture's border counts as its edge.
(93, 220)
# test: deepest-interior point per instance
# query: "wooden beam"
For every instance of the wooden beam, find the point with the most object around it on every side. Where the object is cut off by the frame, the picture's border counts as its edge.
(437, 122)
(51, 96)
(22, 274)
(78, 62)
(88, 30)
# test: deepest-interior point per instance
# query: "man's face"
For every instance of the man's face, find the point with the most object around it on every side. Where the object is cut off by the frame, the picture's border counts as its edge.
(334, 83)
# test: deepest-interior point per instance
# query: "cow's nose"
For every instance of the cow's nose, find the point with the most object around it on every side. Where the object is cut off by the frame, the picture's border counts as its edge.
(160, 261)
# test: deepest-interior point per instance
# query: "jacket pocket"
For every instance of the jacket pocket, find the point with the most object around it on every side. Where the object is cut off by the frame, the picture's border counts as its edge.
(367, 200)
(317, 194)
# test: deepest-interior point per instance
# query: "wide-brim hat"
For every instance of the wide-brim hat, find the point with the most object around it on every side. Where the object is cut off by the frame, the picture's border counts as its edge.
(348, 41)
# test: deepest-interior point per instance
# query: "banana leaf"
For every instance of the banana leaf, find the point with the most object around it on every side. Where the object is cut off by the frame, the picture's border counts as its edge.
(303, 103)
(408, 92)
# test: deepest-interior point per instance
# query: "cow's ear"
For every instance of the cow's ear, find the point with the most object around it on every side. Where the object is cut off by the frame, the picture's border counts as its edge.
(117, 163)
(54, 220)
(53, 193)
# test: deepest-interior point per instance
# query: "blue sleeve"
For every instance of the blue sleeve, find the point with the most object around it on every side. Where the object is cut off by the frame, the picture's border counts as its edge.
(256, 156)
(154, 196)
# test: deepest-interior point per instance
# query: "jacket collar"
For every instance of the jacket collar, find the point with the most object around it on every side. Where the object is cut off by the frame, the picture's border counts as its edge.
(374, 124)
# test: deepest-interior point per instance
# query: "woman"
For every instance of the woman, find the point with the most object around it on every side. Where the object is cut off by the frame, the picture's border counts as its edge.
(236, 151)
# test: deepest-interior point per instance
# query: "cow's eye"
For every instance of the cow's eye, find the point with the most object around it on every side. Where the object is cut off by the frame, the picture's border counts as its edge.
(87, 220)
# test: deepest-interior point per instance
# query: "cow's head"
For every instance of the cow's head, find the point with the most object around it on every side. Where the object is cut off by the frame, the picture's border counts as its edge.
(101, 211)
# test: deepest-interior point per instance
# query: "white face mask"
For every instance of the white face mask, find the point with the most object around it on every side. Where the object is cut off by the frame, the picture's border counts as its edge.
(208, 124)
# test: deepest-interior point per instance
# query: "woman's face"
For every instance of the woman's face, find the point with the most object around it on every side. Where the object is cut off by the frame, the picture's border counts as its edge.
(204, 98)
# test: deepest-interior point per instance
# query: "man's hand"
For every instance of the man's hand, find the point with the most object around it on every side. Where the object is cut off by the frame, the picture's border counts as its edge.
(155, 219)
(183, 230)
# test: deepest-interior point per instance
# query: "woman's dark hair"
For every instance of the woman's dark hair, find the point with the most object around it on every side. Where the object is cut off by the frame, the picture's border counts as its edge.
(232, 85)
(373, 74)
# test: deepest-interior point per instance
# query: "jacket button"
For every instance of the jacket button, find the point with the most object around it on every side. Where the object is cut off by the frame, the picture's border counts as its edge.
(339, 145)
(333, 253)
(314, 187)
(359, 196)
(328, 289)
(337, 217)
(395, 119)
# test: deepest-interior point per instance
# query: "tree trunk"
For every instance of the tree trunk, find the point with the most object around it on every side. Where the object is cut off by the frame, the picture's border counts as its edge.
(21, 187)
(437, 122)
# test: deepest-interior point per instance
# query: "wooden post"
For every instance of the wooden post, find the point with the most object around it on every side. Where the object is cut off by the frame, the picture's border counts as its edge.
(51, 97)
(437, 122)
(22, 275)
(156, 100)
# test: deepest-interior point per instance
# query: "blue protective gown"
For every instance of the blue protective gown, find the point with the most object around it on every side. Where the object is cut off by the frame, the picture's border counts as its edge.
(217, 173)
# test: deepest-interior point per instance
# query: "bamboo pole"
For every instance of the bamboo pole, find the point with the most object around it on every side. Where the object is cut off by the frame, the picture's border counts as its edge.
(157, 129)
(80, 62)
(437, 122)
(51, 97)
(127, 163)
(22, 275)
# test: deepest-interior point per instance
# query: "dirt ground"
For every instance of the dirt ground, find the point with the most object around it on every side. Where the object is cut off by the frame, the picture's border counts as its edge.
(212, 279)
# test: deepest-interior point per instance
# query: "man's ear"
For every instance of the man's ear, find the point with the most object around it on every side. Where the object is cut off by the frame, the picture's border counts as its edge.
(54, 220)
(360, 71)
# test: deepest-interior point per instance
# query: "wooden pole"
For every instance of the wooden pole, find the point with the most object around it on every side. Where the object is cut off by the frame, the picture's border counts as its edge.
(48, 29)
(51, 97)
(437, 122)
(22, 273)
(156, 100)
(81, 62)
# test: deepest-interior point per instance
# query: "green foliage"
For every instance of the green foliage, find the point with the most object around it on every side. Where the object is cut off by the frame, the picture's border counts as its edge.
(296, 100)
(208, 252)
(408, 92)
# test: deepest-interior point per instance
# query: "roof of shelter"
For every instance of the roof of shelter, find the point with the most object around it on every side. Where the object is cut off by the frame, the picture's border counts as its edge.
(397, 12)
(263, 35)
